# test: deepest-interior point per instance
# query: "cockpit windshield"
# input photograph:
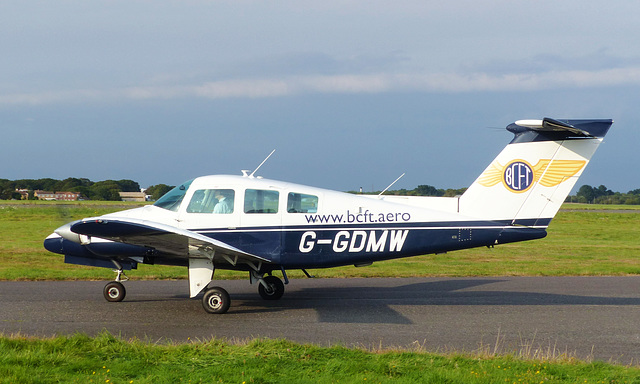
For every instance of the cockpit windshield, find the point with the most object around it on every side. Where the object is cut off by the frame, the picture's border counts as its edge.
(172, 199)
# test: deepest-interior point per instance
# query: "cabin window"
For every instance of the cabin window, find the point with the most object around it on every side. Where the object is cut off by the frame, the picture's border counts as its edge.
(172, 199)
(261, 201)
(301, 203)
(212, 201)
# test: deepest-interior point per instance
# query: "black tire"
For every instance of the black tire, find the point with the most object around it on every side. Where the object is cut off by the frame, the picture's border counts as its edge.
(216, 300)
(114, 291)
(276, 288)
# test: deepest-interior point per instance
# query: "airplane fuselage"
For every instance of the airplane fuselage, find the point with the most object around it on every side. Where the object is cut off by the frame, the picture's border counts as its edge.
(300, 227)
(260, 225)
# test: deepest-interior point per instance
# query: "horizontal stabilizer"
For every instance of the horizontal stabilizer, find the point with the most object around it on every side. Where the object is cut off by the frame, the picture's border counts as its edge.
(572, 128)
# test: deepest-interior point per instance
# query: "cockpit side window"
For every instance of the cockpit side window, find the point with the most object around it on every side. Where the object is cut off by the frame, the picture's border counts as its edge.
(301, 203)
(261, 201)
(172, 199)
(212, 201)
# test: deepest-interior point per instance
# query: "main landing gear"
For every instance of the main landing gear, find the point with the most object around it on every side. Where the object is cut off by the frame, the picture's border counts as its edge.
(271, 288)
(216, 299)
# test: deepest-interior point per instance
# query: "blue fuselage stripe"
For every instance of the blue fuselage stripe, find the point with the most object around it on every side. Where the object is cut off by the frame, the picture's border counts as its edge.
(533, 223)
(310, 246)
(320, 246)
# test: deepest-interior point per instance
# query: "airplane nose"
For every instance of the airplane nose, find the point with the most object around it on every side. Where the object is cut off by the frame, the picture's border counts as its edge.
(53, 243)
(65, 232)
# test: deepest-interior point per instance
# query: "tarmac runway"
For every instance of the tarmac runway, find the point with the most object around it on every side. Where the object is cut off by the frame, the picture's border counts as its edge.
(586, 317)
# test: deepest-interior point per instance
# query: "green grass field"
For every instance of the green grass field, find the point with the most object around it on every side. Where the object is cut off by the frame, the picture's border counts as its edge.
(583, 240)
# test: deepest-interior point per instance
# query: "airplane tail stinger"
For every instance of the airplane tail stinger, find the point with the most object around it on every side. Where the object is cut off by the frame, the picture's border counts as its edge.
(530, 179)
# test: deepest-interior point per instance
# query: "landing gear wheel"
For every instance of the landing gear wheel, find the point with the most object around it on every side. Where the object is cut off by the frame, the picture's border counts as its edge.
(275, 291)
(216, 300)
(114, 291)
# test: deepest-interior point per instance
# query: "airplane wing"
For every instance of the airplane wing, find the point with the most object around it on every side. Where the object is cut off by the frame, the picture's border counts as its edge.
(163, 238)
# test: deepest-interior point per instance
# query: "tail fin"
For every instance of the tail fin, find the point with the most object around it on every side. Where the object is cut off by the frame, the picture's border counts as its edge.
(530, 179)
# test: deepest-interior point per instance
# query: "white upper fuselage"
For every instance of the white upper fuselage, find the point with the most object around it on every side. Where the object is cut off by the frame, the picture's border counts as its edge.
(323, 207)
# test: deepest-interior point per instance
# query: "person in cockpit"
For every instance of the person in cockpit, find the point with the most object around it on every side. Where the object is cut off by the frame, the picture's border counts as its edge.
(225, 205)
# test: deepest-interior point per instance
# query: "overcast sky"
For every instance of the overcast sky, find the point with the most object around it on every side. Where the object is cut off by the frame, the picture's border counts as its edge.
(351, 94)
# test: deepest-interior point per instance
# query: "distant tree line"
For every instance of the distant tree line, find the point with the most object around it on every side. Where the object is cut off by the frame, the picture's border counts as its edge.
(420, 190)
(603, 195)
(109, 190)
(586, 194)
(156, 191)
(100, 190)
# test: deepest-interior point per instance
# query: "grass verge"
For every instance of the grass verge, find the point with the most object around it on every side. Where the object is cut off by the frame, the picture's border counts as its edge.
(108, 359)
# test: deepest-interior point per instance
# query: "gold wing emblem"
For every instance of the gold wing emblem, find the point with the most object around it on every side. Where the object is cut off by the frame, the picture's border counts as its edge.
(492, 175)
(560, 170)
(539, 168)
(548, 173)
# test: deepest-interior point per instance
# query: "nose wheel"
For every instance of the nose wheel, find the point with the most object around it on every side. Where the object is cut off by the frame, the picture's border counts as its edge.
(114, 291)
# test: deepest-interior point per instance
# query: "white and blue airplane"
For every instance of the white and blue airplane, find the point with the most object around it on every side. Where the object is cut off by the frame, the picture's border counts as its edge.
(262, 226)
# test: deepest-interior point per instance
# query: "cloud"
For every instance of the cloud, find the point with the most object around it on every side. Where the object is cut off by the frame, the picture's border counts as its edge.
(598, 60)
(253, 88)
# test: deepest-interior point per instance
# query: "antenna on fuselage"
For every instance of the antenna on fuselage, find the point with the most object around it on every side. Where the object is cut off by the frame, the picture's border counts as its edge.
(256, 170)
(390, 185)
